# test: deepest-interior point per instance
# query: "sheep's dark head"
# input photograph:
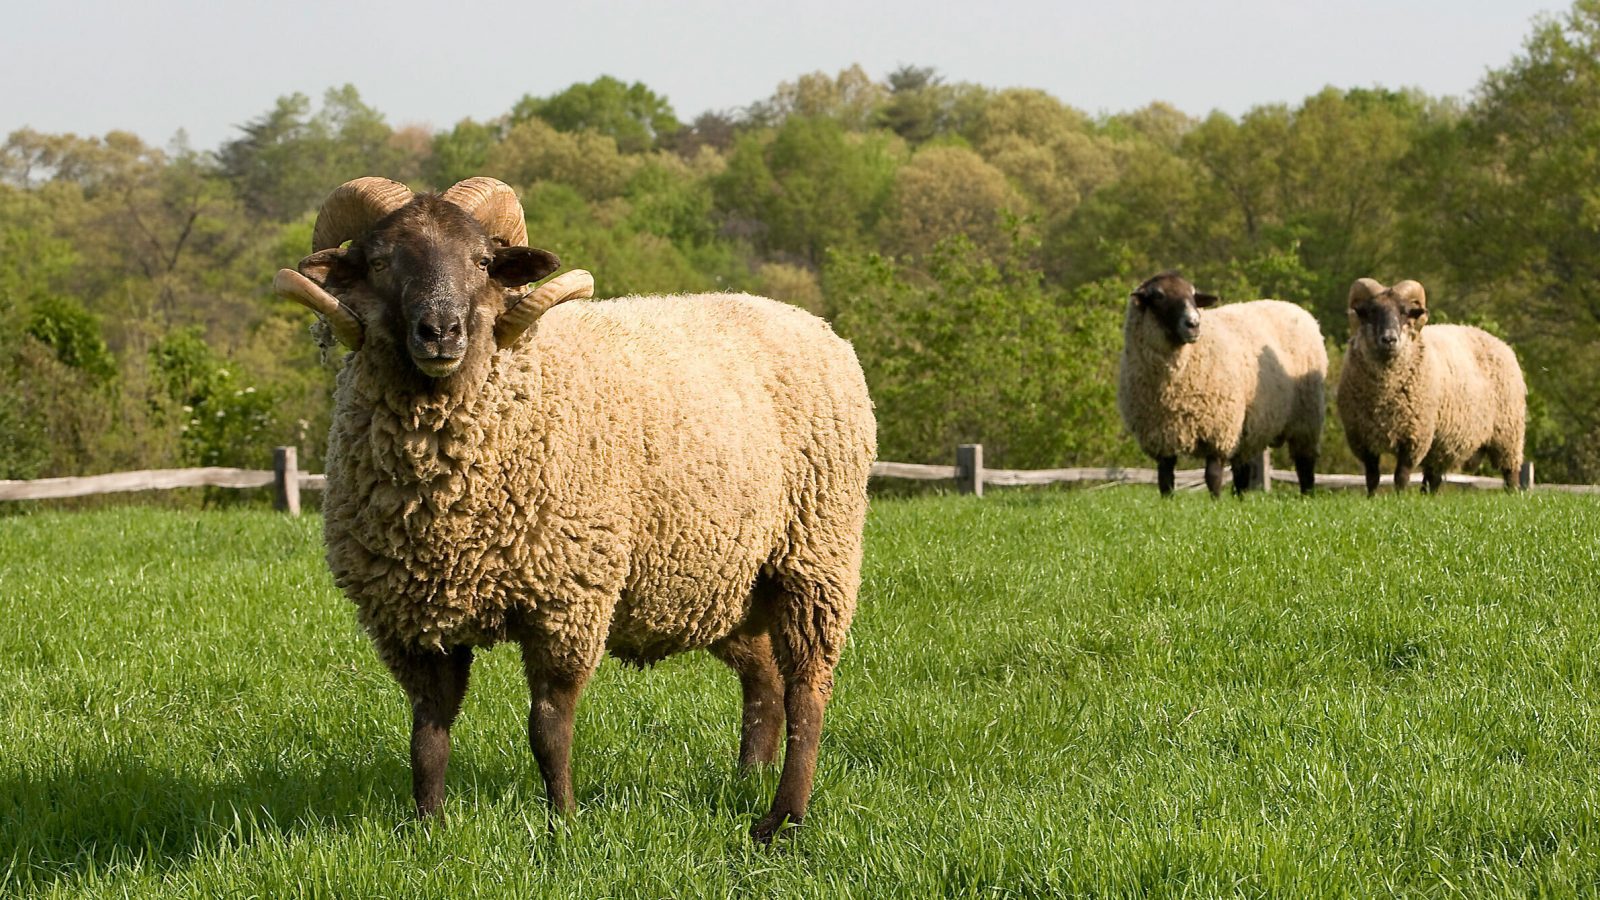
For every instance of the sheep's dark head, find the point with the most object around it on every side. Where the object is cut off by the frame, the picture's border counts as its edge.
(1173, 304)
(1387, 322)
(427, 279)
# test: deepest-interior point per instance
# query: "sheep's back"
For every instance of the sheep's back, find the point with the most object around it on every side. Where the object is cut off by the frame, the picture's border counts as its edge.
(1481, 384)
(1283, 364)
(721, 418)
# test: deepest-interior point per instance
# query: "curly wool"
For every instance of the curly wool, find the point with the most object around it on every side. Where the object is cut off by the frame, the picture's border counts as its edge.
(1458, 391)
(1254, 379)
(615, 481)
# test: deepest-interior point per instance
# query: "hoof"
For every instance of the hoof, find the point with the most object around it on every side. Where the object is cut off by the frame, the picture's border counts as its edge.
(770, 826)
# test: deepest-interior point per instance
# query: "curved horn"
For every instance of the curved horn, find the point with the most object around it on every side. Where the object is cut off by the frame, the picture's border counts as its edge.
(1411, 290)
(353, 207)
(1365, 289)
(495, 205)
(518, 317)
(346, 325)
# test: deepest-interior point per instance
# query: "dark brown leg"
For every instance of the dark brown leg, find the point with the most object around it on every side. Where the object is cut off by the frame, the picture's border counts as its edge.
(749, 654)
(1305, 468)
(803, 701)
(1402, 468)
(1432, 479)
(1166, 474)
(435, 683)
(1243, 477)
(1513, 479)
(806, 632)
(1214, 476)
(550, 715)
(1374, 472)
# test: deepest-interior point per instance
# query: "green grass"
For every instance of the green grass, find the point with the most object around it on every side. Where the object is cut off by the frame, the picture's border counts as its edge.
(1047, 693)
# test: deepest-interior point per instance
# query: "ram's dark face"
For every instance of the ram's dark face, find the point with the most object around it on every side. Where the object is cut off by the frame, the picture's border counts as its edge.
(1389, 322)
(1172, 302)
(428, 282)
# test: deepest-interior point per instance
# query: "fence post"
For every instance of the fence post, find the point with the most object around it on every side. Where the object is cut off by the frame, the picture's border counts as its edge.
(969, 469)
(1266, 470)
(1525, 477)
(286, 480)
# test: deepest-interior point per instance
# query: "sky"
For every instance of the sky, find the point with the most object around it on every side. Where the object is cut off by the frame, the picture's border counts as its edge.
(158, 66)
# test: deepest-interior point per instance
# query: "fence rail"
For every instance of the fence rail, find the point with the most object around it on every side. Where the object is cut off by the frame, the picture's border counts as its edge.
(969, 474)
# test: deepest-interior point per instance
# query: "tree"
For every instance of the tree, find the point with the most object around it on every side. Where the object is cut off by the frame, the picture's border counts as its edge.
(460, 153)
(973, 351)
(288, 160)
(632, 115)
(851, 99)
(1510, 199)
(943, 192)
(809, 185)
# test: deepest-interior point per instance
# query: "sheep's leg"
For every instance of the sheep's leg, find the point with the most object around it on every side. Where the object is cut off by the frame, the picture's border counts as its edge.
(1432, 479)
(435, 684)
(550, 715)
(1166, 474)
(1214, 475)
(1305, 469)
(749, 653)
(804, 698)
(1241, 476)
(1403, 460)
(806, 635)
(1369, 462)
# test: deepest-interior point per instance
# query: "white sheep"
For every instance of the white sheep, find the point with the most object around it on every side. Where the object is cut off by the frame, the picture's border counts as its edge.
(640, 476)
(1222, 385)
(1430, 394)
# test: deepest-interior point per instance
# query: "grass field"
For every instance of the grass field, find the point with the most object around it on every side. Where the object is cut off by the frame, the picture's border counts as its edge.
(1050, 693)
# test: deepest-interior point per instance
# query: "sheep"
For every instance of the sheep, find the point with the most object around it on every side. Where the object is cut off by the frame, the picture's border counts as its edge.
(641, 476)
(1251, 378)
(1438, 394)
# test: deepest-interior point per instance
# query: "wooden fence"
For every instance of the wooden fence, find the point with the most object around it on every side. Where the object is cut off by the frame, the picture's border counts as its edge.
(969, 475)
(285, 477)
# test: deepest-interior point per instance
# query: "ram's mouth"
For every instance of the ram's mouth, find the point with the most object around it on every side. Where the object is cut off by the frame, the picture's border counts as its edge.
(437, 366)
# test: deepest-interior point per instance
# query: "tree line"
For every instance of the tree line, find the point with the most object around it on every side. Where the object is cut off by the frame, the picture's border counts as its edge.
(977, 245)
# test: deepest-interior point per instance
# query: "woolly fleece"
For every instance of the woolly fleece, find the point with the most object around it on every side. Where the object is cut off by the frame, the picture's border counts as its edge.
(1254, 379)
(1454, 392)
(617, 480)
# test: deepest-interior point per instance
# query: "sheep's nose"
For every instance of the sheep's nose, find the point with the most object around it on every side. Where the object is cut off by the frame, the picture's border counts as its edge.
(438, 333)
(1191, 321)
(1388, 339)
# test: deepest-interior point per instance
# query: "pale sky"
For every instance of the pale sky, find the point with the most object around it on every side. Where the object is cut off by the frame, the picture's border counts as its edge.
(156, 66)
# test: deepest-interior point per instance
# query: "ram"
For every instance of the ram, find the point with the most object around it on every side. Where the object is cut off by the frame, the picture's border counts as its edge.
(1431, 394)
(1225, 384)
(641, 476)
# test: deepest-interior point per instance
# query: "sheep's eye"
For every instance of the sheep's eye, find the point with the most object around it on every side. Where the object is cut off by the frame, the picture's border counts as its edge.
(484, 262)
(378, 265)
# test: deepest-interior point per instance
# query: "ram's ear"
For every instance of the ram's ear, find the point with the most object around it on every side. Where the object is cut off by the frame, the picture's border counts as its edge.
(514, 266)
(1205, 300)
(326, 264)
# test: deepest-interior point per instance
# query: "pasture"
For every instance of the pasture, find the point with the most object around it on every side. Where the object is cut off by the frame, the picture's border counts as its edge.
(1080, 692)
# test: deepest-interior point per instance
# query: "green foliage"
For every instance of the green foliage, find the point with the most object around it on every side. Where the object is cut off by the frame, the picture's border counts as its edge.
(288, 159)
(1510, 197)
(460, 153)
(632, 115)
(73, 334)
(226, 420)
(808, 186)
(975, 351)
(959, 234)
